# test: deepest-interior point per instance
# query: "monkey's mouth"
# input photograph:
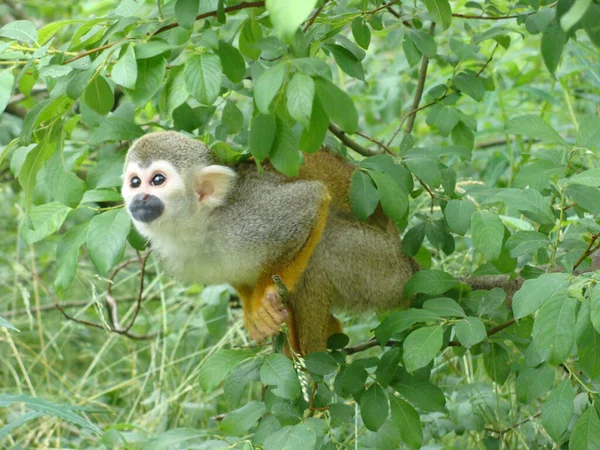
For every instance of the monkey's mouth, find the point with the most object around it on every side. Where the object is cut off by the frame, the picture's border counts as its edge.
(146, 208)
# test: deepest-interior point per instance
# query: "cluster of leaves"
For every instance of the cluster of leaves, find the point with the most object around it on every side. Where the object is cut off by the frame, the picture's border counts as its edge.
(255, 78)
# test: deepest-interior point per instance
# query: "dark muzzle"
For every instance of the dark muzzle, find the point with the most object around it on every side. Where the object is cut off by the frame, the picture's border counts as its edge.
(146, 208)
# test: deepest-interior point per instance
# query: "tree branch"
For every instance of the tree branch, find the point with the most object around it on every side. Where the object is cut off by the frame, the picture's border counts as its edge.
(314, 17)
(588, 251)
(348, 142)
(420, 86)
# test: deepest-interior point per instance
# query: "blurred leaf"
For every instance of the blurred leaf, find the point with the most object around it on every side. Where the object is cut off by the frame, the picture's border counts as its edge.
(7, 80)
(67, 254)
(298, 437)
(534, 127)
(175, 438)
(6, 324)
(423, 41)
(186, 12)
(361, 32)
(215, 369)
(553, 43)
(588, 134)
(440, 12)
(288, 16)
(20, 30)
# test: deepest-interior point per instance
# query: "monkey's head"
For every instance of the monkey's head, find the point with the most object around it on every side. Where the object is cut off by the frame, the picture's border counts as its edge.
(169, 177)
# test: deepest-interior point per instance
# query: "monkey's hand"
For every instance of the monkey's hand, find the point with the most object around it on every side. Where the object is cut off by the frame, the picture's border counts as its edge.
(264, 318)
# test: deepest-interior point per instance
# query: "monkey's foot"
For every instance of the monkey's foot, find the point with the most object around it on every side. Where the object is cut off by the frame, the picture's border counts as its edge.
(265, 320)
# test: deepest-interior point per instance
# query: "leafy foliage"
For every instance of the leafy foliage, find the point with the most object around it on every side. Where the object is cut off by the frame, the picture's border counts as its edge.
(472, 125)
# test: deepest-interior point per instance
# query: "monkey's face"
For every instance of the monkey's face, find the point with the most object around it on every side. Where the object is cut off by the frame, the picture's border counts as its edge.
(159, 197)
(152, 194)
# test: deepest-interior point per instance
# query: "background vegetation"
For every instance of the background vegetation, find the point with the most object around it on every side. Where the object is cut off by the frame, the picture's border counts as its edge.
(474, 124)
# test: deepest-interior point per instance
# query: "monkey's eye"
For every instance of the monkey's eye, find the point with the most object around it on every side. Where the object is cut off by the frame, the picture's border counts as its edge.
(135, 182)
(158, 179)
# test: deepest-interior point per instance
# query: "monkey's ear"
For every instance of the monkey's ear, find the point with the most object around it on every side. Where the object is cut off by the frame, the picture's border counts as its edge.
(212, 183)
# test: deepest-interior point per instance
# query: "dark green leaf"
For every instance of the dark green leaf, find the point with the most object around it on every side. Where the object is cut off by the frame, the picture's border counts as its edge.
(388, 365)
(553, 43)
(216, 368)
(234, 66)
(458, 215)
(430, 282)
(394, 200)
(586, 434)
(557, 410)
(320, 363)
(364, 196)
(278, 371)
(497, 363)
(374, 408)
(300, 93)
(150, 76)
(347, 61)
(67, 254)
(186, 12)
(402, 320)
(407, 420)
(419, 391)
(470, 331)
(238, 422)
(285, 155)
(262, 135)
(338, 105)
(423, 41)
(313, 136)
(361, 32)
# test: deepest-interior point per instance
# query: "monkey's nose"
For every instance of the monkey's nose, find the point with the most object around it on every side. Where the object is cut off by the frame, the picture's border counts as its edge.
(146, 207)
(146, 197)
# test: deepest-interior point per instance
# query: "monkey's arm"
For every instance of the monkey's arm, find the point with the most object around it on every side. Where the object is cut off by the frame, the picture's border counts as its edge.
(282, 224)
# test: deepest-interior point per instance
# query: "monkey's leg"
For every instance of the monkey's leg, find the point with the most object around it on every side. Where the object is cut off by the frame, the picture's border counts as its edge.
(264, 312)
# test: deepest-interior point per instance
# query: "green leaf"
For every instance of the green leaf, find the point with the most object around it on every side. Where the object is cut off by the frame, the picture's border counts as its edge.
(526, 242)
(125, 71)
(278, 371)
(31, 166)
(338, 105)
(300, 93)
(314, 67)
(106, 238)
(351, 380)
(150, 76)
(587, 178)
(399, 321)
(374, 408)
(27, 417)
(588, 347)
(388, 364)
(394, 200)
(20, 30)
(407, 420)
(458, 215)
(262, 135)
(529, 202)
(285, 154)
(251, 33)
(421, 346)
(287, 16)
(446, 119)
(413, 239)
(470, 84)
(298, 437)
(588, 134)
(554, 329)
(202, 75)
(586, 434)
(444, 307)
(347, 61)
(186, 12)
(534, 293)
(385, 164)
(7, 80)
(430, 282)
(553, 44)
(238, 422)
(215, 369)
(440, 12)
(267, 86)
(67, 254)
(470, 331)
(240, 377)
(534, 382)
(99, 96)
(419, 391)
(361, 32)
(463, 135)
(65, 412)
(487, 231)
(364, 197)
(232, 118)
(534, 127)
(175, 90)
(557, 410)
(152, 48)
(101, 195)
(106, 173)
(6, 324)
(234, 66)
(413, 55)
(313, 136)
(423, 41)
(497, 363)
(45, 220)
(320, 363)
(595, 306)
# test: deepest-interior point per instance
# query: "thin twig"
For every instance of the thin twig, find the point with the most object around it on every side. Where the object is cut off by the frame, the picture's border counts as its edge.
(469, 16)
(375, 141)
(420, 86)
(512, 427)
(489, 60)
(366, 345)
(588, 251)
(314, 17)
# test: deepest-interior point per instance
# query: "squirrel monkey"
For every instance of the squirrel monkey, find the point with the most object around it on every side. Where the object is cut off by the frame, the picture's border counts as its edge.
(209, 223)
